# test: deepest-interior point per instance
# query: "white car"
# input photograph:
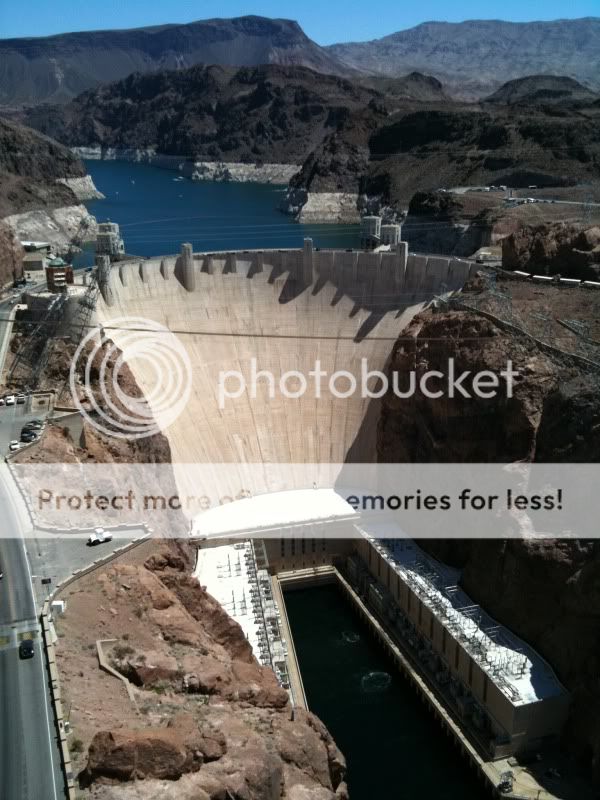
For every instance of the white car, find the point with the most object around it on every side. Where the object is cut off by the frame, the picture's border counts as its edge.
(14, 445)
(99, 536)
(10, 400)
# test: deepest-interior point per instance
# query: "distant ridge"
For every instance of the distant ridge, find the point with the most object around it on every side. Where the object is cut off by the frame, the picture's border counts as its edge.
(475, 57)
(57, 68)
(549, 90)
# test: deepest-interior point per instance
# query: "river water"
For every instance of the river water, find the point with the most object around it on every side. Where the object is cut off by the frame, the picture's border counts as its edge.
(392, 744)
(157, 212)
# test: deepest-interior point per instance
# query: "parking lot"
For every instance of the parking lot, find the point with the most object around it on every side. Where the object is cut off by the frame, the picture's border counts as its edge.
(14, 417)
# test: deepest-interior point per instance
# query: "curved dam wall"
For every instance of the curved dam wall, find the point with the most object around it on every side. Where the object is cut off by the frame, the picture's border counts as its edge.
(283, 310)
(375, 279)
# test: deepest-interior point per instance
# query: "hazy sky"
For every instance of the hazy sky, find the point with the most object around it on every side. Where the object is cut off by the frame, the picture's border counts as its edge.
(325, 21)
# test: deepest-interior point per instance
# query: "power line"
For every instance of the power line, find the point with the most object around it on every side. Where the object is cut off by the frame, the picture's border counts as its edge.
(284, 336)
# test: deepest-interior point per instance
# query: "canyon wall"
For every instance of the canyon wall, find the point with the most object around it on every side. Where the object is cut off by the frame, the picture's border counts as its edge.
(544, 590)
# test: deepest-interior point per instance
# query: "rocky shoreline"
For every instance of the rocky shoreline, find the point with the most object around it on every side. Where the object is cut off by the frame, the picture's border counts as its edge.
(235, 171)
(83, 188)
(304, 207)
(321, 207)
(57, 226)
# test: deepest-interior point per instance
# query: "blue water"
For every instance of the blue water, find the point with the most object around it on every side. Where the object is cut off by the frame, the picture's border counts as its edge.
(393, 747)
(157, 213)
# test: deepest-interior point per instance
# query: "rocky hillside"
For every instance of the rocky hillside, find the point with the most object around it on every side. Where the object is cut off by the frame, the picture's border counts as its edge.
(474, 57)
(56, 68)
(380, 137)
(270, 113)
(11, 257)
(572, 251)
(543, 90)
(30, 166)
(423, 148)
(546, 591)
(207, 722)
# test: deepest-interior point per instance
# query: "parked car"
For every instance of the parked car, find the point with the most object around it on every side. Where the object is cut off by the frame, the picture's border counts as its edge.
(20, 399)
(14, 445)
(10, 400)
(99, 536)
(2, 401)
(26, 649)
(1, 572)
(33, 425)
(28, 437)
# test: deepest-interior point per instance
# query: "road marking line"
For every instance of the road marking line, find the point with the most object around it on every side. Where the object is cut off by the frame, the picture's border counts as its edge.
(43, 667)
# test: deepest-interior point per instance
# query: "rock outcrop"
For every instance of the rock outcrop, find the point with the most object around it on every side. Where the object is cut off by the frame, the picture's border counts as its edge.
(269, 114)
(235, 172)
(11, 256)
(169, 753)
(30, 166)
(41, 186)
(210, 721)
(60, 227)
(543, 90)
(572, 251)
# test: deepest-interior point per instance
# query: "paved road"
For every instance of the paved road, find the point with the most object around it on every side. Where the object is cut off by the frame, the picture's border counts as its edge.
(12, 419)
(30, 767)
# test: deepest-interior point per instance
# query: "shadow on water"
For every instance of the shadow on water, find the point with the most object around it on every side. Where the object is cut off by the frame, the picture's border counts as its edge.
(393, 746)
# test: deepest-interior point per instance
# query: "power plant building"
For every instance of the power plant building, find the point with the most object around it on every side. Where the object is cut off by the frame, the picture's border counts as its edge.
(506, 694)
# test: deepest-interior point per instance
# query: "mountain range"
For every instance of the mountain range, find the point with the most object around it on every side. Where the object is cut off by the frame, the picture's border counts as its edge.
(348, 136)
(471, 58)
(475, 57)
(56, 68)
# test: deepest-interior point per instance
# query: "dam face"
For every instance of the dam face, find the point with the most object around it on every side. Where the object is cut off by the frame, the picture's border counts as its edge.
(284, 311)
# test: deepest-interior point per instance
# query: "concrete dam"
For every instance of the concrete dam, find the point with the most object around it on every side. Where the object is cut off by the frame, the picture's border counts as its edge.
(285, 309)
